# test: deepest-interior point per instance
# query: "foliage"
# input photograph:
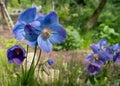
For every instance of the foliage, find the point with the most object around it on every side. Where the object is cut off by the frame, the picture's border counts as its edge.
(72, 41)
(104, 31)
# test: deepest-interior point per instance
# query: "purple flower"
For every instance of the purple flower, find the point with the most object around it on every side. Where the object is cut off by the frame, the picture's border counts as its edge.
(116, 56)
(98, 55)
(51, 32)
(93, 68)
(16, 54)
(50, 62)
(103, 45)
(28, 26)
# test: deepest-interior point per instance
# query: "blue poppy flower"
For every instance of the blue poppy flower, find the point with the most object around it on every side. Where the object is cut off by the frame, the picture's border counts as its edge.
(116, 56)
(16, 54)
(50, 62)
(93, 68)
(28, 26)
(102, 44)
(51, 32)
(100, 56)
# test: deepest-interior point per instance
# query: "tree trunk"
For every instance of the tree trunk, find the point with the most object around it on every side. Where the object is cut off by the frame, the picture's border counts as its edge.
(96, 14)
(5, 1)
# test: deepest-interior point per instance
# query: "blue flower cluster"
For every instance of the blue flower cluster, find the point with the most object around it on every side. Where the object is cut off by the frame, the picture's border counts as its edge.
(101, 54)
(38, 30)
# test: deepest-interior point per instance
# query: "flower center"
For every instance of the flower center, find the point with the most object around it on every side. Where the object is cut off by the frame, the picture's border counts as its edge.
(96, 56)
(118, 51)
(92, 67)
(18, 51)
(103, 48)
(46, 33)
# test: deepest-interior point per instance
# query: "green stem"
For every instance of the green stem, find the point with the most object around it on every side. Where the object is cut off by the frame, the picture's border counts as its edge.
(37, 63)
(26, 57)
(38, 58)
(35, 49)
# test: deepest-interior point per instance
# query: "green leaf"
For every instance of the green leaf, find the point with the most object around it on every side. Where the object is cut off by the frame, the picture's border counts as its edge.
(92, 80)
(19, 1)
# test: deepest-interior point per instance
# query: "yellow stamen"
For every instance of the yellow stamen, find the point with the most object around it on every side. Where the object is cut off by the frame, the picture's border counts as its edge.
(46, 33)
(96, 56)
(103, 48)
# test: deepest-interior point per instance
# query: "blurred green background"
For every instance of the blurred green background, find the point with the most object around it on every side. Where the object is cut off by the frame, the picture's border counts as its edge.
(74, 16)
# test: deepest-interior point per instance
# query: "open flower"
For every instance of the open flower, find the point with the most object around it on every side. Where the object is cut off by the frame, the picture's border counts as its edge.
(98, 55)
(51, 32)
(93, 68)
(16, 54)
(27, 26)
(116, 56)
(103, 45)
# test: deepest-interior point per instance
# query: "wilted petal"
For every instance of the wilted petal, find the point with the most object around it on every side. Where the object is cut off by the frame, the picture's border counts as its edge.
(45, 45)
(18, 31)
(50, 18)
(28, 15)
(58, 33)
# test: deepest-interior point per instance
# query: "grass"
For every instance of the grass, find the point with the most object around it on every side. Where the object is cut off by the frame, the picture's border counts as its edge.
(63, 73)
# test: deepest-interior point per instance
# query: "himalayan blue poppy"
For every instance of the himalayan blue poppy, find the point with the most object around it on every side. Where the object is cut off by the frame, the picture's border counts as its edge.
(16, 54)
(27, 26)
(116, 56)
(51, 32)
(98, 55)
(93, 68)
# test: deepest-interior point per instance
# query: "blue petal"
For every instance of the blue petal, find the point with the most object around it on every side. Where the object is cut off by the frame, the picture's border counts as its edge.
(58, 33)
(94, 48)
(18, 31)
(28, 15)
(116, 47)
(104, 56)
(31, 37)
(39, 17)
(45, 45)
(36, 27)
(101, 43)
(89, 57)
(18, 61)
(50, 18)
(35, 24)
(31, 33)
(34, 43)
(115, 57)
